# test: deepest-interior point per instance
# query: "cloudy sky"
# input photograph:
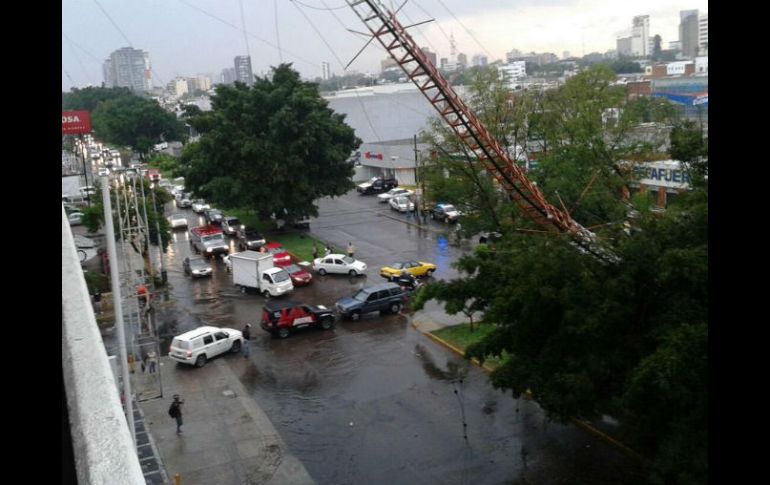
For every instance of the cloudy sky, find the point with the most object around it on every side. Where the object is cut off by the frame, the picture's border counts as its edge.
(188, 37)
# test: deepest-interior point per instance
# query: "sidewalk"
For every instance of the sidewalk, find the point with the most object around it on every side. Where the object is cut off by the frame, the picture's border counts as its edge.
(226, 438)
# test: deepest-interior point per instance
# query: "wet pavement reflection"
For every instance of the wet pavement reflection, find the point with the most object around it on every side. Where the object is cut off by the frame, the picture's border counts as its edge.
(374, 401)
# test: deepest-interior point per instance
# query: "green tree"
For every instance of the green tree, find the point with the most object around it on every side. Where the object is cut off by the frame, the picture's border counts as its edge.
(88, 99)
(622, 66)
(656, 49)
(626, 339)
(166, 163)
(136, 122)
(274, 147)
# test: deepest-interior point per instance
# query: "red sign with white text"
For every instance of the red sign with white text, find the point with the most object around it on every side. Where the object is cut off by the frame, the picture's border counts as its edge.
(75, 122)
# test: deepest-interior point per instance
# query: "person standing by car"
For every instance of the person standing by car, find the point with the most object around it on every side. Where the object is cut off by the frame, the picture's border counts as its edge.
(315, 251)
(351, 249)
(152, 362)
(246, 340)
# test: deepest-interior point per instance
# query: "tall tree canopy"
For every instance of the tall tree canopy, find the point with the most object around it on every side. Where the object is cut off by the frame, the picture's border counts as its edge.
(628, 339)
(274, 147)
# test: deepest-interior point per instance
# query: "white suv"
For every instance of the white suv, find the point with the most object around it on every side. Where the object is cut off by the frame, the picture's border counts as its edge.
(197, 346)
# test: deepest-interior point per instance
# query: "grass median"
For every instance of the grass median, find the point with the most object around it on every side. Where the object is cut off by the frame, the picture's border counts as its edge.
(461, 337)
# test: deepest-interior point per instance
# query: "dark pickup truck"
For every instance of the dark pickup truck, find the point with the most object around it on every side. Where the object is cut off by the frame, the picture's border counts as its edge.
(377, 185)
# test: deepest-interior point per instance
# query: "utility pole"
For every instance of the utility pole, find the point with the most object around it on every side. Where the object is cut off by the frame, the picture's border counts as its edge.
(117, 304)
(160, 240)
(85, 173)
(417, 177)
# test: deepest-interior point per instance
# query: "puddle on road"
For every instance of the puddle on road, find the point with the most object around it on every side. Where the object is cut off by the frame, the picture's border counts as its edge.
(454, 371)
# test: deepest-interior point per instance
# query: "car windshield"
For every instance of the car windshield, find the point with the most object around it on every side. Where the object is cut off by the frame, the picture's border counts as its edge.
(252, 235)
(362, 295)
(292, 268)
(178, 216)
(213, 238)
(401, 200)
(280, 276)
(397, 265)
(233, 221)
(348, 260)
(198, 263)
(449, 208)
(277, 250)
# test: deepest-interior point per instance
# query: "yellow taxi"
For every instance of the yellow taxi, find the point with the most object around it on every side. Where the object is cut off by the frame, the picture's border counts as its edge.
(415, 268)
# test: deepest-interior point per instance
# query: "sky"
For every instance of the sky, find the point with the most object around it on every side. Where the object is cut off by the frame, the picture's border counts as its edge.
(189, 37)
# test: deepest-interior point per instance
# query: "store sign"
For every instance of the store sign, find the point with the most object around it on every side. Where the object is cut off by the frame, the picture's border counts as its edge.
(75, 122)
(663, 174)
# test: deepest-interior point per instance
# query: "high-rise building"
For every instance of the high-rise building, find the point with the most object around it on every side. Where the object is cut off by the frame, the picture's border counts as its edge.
(513, 71)
(703, 34)
(430, 55)
(479, 60)
(326, 71)
(688, 32)
(130, 68)
(565, 55)
(462, 60)
(200, 82)
(512, 55)
(640, 36)
(243, 72)
(178, 87)
(388, 63)
(228, 75)
(624, 46)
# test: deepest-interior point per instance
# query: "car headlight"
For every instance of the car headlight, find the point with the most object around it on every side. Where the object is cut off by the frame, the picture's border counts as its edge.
(208, 250)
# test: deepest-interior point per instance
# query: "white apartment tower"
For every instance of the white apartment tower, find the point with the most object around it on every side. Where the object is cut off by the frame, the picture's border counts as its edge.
(326, 72)
(130, 68)
(703, 34)
(640, 36)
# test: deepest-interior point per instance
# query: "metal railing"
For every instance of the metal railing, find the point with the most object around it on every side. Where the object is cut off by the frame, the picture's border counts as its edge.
(103, 449)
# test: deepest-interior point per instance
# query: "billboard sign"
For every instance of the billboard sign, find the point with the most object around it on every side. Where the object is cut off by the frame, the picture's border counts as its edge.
(75, 122)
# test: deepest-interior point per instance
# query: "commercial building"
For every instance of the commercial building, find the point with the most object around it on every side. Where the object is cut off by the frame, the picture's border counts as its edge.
(129, 68)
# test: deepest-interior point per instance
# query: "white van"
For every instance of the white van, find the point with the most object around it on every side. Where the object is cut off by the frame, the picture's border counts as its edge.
(197, 346)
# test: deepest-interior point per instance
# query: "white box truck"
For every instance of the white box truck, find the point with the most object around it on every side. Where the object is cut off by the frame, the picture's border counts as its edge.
(256, 270)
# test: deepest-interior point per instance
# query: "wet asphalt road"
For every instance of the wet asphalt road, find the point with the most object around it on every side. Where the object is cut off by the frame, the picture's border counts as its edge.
(375, 401)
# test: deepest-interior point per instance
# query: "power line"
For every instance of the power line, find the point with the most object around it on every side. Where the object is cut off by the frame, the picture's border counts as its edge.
(113, 22)
(99, 61)
(437, 23)
(77, 58)
(204, 12)
(245, 37)
(363, 107)
(319, 8)
(466, 28)
(277, 37)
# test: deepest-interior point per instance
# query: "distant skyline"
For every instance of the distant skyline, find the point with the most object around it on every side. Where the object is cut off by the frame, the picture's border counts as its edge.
(187, 37)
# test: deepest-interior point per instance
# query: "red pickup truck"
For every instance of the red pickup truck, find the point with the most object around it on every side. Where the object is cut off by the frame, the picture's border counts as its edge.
(153, 174)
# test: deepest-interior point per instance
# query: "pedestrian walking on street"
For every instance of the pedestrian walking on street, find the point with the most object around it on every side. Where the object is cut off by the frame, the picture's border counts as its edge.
(97, 301)
(246, 341)
(152, 362)
(351, 249)
(315, 251)
(328, 250)
(144, 362)
(175, 411)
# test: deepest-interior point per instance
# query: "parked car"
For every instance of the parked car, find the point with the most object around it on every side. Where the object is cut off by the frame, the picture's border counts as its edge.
(184, 202)
(376, 185)
(250, 239)
(281, 317)
(199, 206)
(415, 268)
(339, 263)
(231, 225)
(489, 236)
(196, 266)
(445, 212)
(280, 255)
(75, 218)
(197, 346)
(213, 216)
(177, 220)
(394, 193)
(299, 277)
(401, 204)
(385, 297)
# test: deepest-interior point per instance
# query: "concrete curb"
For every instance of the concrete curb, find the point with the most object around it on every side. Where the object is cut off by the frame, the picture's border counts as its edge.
(586, 426)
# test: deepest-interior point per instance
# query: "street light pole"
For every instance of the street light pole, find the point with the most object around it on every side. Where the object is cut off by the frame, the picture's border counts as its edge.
(85, 172)
(160, 240)
(117, 304)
